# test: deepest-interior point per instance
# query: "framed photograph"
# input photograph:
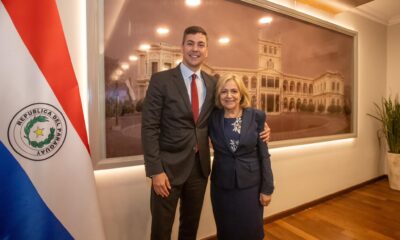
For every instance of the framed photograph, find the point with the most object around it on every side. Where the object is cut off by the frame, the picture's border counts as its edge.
(298, 69)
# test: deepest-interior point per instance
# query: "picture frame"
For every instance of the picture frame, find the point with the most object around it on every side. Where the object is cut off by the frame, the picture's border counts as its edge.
(300, 69)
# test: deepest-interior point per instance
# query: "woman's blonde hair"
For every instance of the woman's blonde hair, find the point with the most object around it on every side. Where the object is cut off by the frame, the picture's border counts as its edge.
(244, 100)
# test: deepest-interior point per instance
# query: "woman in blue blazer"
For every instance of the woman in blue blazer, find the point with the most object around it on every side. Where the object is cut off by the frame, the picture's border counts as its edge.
(241, 177)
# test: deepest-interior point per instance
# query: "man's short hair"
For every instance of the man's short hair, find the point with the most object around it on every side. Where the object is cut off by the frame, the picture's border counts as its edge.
(194, 30)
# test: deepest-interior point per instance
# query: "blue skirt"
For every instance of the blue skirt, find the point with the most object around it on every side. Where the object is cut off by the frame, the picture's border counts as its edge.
(238, 213)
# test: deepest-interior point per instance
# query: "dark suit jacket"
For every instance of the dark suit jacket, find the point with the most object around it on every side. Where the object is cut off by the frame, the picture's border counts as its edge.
(169, 133)
(249, 165)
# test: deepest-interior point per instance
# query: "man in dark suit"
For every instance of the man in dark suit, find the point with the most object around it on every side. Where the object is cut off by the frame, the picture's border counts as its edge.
(175, 116)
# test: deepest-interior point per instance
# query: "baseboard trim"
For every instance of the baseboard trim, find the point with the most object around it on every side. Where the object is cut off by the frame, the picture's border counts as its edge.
(304, 206)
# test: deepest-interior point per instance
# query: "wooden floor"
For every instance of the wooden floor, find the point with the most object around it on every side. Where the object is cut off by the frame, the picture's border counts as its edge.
(371, 212)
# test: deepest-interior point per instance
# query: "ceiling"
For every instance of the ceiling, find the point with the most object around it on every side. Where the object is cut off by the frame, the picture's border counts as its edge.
(332, 6)
(383, 11)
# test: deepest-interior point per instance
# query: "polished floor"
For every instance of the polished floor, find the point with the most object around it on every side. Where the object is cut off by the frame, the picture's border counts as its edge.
(371, 212)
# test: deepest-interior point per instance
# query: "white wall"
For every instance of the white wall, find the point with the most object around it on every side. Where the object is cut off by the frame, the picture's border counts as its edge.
(302, 173)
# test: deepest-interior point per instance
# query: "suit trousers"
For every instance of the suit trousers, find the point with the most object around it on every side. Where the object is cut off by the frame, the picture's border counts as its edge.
(191, 195)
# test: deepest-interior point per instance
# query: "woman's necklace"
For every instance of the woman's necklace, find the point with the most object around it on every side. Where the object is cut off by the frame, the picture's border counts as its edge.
(233, 115)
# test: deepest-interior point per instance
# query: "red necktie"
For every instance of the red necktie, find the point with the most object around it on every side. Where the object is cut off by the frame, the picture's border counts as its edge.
(195, 98)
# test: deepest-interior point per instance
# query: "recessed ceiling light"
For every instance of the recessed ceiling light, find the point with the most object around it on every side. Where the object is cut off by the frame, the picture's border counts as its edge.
(133, 58)
(193, 3)
(265, 20)
(144, 47)
(224, 40)
(125, 66)
(162, 31)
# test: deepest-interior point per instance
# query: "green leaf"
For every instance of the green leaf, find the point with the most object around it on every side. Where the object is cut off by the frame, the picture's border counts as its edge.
(388, 114)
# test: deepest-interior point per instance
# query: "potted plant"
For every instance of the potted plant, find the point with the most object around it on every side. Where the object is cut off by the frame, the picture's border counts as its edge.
(388, 114)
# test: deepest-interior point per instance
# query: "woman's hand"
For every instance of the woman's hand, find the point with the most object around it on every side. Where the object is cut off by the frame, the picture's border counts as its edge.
(265, 199)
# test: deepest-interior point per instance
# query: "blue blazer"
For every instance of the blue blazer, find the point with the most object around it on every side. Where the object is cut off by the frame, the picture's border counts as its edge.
(250, 164)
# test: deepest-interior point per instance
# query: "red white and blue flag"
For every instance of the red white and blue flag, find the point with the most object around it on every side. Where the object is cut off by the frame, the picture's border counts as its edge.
(47, 187)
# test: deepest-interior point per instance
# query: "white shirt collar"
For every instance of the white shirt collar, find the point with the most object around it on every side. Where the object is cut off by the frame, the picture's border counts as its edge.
(187, 72)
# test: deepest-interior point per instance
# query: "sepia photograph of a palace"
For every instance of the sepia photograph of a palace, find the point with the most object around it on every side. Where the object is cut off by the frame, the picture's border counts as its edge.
(297, 106)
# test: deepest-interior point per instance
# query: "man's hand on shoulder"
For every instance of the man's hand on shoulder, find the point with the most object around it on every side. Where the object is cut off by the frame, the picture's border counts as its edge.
(161, 184)
(265, 135)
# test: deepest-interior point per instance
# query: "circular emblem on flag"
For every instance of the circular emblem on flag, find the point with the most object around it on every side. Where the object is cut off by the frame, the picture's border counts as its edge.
(37, 131)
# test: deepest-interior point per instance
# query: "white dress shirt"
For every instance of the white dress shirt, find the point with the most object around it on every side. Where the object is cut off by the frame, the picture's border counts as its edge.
(201, 87)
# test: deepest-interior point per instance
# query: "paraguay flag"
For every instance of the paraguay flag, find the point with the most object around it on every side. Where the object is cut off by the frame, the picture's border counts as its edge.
(47, 187)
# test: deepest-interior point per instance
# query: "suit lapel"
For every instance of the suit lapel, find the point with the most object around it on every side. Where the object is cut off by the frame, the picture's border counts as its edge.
(180, 83)
(221, 121)
(245, 125)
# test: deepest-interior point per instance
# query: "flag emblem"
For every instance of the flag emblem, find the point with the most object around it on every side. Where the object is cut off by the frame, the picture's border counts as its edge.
(37, 131)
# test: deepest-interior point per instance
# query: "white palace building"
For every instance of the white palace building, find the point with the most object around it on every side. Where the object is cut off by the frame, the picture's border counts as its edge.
(270, 89)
